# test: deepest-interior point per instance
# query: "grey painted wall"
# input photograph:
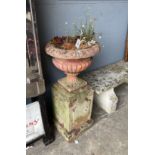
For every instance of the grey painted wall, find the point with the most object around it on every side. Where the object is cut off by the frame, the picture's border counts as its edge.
(111, 21)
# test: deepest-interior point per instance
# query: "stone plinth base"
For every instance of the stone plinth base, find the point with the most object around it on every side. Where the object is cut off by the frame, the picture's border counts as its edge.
(75, 133)
(72, 110)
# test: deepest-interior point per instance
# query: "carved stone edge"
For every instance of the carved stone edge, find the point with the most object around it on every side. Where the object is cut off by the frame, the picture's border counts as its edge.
(107, 100)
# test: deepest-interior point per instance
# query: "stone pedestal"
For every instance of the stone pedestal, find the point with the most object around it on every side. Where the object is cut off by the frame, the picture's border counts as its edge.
(72, 110)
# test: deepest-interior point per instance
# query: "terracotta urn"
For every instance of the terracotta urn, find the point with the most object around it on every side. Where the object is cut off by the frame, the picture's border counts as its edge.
(72, 62)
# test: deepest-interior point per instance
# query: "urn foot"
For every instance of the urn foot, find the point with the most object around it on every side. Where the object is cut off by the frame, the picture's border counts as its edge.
(72, 86)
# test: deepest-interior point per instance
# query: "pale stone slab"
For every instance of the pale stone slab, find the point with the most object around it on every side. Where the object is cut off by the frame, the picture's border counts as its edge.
(108, 77)
(103, 80)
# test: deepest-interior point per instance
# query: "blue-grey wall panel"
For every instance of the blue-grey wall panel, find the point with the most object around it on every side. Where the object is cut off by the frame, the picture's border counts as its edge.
(111, 21)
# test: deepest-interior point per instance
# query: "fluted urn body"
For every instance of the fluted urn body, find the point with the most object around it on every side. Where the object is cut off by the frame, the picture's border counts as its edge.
(72, 62)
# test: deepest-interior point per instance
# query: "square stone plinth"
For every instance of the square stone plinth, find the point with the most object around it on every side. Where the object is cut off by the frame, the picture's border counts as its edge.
(72, 110)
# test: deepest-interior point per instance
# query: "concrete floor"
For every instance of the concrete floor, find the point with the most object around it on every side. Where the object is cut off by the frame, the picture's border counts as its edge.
(108, 135)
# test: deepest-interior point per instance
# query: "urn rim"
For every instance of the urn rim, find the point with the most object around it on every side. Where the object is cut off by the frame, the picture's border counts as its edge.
(55, 52)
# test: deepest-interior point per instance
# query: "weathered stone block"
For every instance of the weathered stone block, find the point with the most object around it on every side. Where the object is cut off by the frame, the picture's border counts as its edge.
(107, 100)
(72, 110)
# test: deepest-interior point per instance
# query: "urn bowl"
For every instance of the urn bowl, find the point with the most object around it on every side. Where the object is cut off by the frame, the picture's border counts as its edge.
(72, 62)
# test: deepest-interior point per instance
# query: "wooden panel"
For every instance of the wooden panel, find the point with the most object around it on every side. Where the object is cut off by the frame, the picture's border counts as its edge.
(126, 49)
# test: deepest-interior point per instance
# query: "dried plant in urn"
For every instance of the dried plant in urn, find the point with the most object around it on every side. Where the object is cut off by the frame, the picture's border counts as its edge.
(72, 97)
